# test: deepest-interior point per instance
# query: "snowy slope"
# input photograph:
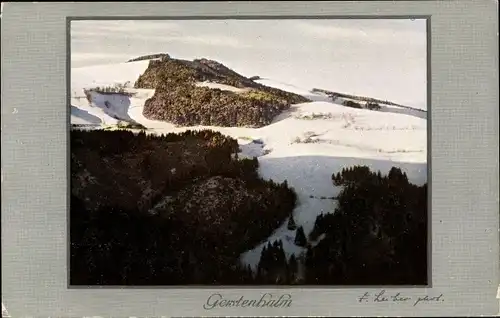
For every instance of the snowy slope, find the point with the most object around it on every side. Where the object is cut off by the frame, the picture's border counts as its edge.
(222, 87)
(380, 58)
(304, 145)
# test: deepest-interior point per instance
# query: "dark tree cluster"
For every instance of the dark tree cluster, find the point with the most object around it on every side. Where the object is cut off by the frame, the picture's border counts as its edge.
(179, 100)
(377, 234)
(325, 222)
(300, 237)
(352, 104)
(291, 224)
(166, 210)
(240, 214)
(275, 268)
(372, 106)
(113, 246)
(122, 141)
(272, 264)
(356, 174)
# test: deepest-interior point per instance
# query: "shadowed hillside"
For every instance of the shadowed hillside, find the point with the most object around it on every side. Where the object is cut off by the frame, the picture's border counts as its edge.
(142, 205)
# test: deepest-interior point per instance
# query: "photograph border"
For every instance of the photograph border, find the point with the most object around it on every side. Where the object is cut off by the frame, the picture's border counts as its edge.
(34, 163)
(256, 18)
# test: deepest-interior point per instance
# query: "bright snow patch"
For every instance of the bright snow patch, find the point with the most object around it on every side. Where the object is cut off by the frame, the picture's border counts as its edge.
(313, 96)
(222, 87)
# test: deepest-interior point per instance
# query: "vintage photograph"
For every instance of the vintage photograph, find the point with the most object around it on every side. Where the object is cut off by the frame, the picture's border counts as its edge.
(248, 152)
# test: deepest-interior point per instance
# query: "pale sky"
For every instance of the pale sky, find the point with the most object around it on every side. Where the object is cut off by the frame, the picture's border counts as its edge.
(379, 58)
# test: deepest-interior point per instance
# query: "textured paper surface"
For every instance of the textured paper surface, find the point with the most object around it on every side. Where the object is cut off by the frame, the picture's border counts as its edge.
(464, 164)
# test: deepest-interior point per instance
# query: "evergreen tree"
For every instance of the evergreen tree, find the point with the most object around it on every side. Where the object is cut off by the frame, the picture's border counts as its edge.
(285, 184)
(262, 260)
(300, 237)
(309, 264)
(280, 255)
(293, 268)
(250, 272)
(291, 224)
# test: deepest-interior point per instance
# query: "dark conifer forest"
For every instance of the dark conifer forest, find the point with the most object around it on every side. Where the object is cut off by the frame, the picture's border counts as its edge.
(179, 209)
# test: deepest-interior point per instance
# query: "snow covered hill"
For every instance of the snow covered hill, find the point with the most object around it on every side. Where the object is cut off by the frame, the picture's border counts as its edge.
(303, 145)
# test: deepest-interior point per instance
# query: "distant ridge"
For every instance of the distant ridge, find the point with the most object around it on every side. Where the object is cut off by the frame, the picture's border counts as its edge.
(149, 57)
(335, 95)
